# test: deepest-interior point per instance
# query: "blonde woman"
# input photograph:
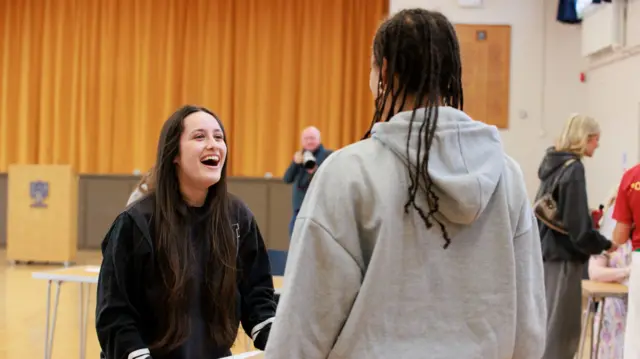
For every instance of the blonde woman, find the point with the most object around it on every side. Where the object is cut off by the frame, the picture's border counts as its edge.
(567, 247)
(141, 189)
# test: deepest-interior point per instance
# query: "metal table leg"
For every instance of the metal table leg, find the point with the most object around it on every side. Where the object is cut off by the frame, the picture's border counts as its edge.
(46, 328)
(51, 326)
(601, 323)
(587, 316)
(84, 316)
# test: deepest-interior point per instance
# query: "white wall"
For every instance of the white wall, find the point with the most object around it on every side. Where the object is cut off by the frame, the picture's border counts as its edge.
(545, 73)
(613, 94)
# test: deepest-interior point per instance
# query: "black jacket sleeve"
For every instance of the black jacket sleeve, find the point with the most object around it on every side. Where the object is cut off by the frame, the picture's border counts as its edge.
(116, 317)
(258, 306)
(577, 218)
(292, 172)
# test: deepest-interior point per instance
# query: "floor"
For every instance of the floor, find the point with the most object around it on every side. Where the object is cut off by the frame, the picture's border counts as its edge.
(22, 319)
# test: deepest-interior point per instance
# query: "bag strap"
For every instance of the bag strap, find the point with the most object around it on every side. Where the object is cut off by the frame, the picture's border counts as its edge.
(556, 181)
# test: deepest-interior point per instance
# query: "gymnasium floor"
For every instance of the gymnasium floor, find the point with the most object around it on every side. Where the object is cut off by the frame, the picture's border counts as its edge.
(22, 319)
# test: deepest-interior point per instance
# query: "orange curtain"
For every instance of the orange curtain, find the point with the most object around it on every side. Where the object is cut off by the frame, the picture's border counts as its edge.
(90, 82)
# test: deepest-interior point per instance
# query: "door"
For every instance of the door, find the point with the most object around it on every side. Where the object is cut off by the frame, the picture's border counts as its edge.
(486, 66)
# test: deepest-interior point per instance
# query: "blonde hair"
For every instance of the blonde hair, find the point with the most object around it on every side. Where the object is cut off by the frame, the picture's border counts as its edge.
(575, 134)
(146, 182)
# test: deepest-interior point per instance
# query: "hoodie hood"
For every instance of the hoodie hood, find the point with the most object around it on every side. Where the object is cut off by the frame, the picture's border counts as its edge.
(466, 159)
(552, 161)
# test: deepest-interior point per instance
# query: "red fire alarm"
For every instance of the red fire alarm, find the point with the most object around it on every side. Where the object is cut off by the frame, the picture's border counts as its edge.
(583, 77)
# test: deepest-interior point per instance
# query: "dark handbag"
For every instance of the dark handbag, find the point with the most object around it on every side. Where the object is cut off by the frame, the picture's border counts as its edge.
(546, 207)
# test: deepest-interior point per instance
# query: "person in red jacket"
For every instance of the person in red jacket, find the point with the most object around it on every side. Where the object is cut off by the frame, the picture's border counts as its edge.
(627, 209)
(627, 214)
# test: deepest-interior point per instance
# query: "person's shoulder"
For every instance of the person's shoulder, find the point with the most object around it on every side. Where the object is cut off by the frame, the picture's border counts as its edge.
(239, 210)
(512, 167)
(629, 179)
(355, 151)
(347, 166)
(513, 172)
(517, 196)
(635, 169)
(241, 217)
(575, 171)
(632, 174)
(515, 180)
(134, 222)
(127, 232)
(142, 207)
(344, 174)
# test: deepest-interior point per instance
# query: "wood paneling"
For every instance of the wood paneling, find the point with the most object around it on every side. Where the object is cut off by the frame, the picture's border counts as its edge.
(102, 198)
(280, 216)
(46, 232)
(254, 192)
(486, 66)
(4, 184)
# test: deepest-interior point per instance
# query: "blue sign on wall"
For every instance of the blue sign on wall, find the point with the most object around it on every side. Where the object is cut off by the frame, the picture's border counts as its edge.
(39, 191)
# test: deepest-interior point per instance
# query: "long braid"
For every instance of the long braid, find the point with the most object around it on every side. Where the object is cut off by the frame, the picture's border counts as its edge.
(435, 68)
(422, 57)
(392, 62)
(420, 95)
(381, 98)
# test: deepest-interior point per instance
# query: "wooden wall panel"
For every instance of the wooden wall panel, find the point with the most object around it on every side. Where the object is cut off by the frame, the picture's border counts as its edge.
(3, 208)
(102, 197)
(486, 66)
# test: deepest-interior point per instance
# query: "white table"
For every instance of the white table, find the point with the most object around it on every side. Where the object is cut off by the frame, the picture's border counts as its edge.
(597, 292)
(85, 276)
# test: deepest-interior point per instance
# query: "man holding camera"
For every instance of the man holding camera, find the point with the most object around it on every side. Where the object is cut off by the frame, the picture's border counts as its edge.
(304, 165)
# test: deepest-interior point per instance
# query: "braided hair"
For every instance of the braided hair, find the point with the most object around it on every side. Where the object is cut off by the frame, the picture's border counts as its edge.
(421, 56)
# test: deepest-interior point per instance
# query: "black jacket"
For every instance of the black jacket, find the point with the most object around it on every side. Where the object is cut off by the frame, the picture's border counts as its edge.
(571, 196)
(125, 318)
(301, 179)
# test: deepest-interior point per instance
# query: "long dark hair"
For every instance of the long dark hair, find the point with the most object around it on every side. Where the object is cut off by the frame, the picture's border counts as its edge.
(422, 60)
(174, 252)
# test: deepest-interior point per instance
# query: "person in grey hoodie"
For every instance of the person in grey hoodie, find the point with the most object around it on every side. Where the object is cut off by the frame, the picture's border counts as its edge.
(418, 242)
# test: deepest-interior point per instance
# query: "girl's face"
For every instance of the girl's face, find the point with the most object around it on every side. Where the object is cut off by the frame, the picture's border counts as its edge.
(377, 87)
(203, 152)
(592, 143)
(374, 76)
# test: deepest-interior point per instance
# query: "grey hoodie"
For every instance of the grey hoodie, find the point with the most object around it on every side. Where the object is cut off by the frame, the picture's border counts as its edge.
(365, 280)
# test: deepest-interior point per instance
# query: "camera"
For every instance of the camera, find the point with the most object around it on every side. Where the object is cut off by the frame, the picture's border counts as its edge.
(308, 160)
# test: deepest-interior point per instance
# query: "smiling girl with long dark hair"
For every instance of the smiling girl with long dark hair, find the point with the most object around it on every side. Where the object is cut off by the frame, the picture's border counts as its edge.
(185, 265)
